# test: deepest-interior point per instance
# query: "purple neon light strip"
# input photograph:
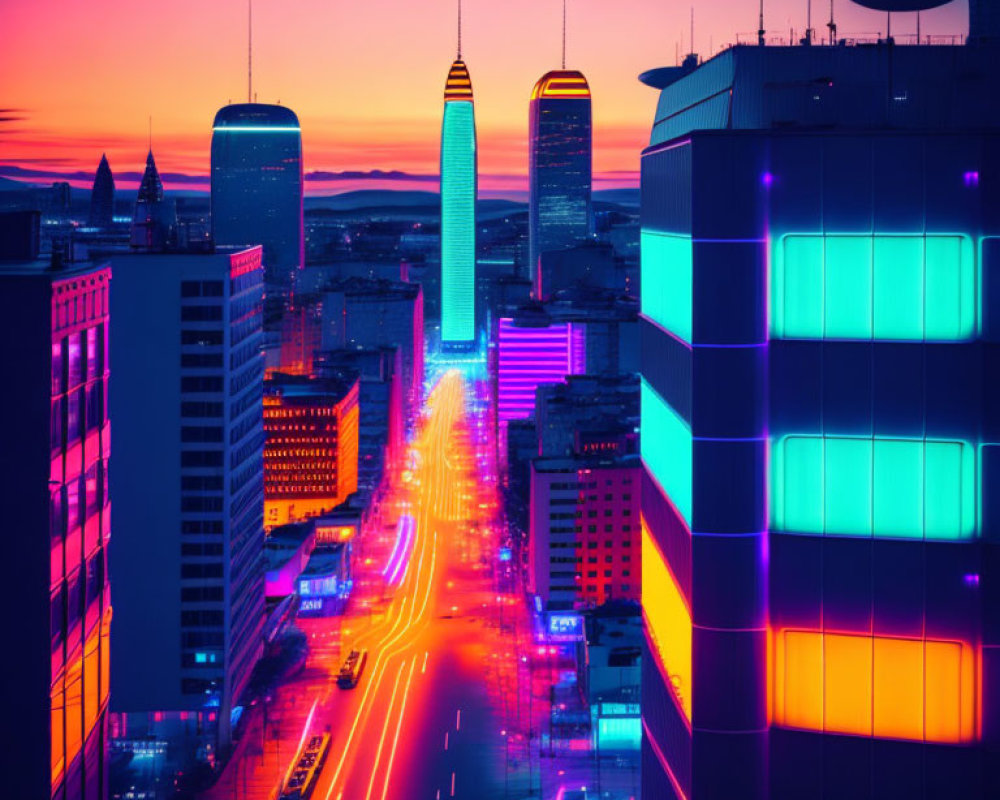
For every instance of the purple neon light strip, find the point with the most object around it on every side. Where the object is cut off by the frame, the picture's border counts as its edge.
(394, 570)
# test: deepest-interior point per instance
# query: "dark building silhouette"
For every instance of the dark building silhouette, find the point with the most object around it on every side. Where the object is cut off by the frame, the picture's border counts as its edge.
(154, 221)
(102, 197)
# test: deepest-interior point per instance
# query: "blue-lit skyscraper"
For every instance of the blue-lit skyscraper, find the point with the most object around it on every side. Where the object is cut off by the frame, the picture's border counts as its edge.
(458, 211)
(820, 426)
(257, 190)
(559, 165)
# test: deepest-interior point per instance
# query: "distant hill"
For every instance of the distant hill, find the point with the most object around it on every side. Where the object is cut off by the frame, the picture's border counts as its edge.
(621, 197)
(418, 202)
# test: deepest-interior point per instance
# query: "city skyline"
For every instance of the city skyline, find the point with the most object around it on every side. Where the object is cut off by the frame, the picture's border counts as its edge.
(355, 120)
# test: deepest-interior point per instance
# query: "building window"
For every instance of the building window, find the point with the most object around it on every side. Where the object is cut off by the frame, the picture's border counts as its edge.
(885, 488)
(666, 281)
(882, 286)
(883, 686)
(666, 446)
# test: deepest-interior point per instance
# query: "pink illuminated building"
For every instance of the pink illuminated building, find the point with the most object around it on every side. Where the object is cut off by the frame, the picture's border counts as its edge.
(584, 540)
(532, 352)
(55, 500)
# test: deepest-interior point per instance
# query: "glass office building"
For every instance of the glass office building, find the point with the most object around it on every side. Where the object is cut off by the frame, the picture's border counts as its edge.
(559, 165)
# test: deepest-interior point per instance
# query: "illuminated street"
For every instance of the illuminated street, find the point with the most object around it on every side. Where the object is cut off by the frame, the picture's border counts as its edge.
(423, 720)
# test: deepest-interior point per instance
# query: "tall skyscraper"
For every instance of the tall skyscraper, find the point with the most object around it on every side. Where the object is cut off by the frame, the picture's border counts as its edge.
(458, 208)
(820, 425)
(154, 220)
(559, 164)
(102, 197)
(54, 322)
(257, 191)
(189, 469)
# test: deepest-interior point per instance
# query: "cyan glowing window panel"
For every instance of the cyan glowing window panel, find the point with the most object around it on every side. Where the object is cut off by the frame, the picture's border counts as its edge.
(666, 449)
(899, 287)
(458, 222)
(883, 286)
(847, 302)
(666, 281)
(882, 487)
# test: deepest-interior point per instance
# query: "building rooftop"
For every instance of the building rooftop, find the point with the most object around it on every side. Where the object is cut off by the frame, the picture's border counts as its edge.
(830, 88)
(583, 462)
(561, 84)
(254, 115)
(325, 560)
(290, 387)
(459, 83)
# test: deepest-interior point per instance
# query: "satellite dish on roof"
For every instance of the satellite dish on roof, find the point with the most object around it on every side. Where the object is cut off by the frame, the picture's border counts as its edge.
(901, 5)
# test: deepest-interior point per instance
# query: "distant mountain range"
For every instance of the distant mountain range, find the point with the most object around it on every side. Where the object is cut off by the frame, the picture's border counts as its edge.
(421, 202)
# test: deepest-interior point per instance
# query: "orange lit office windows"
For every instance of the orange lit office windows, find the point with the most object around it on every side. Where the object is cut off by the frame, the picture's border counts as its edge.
(668, 620)
(884, 686)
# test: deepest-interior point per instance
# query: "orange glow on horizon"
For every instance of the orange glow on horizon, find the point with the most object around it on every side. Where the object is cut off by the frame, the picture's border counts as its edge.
(364, 78)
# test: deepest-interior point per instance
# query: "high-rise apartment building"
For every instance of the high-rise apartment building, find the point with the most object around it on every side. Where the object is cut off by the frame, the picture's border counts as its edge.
(458, 210)
(188, 465)
(584, 546)
(559, 164)
(55, 494)
(820, 425)
(311, 449)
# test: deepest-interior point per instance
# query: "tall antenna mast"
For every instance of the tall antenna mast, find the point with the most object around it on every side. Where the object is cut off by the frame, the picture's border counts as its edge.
(459, 30)
(809, 22)
(249, 51)
(150, 133)
(692, 29)
(564, 36)
(832, 26)
(760, 26)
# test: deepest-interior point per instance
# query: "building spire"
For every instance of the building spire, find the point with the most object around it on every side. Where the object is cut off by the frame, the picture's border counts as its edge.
(249, 51)
(459, 56)
(564, 36)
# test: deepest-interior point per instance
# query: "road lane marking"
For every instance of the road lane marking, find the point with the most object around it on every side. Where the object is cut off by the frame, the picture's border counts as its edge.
(458, 720)
(399, 725)
(385, 728)
(453, 784)
(423, 669)
(446, 740)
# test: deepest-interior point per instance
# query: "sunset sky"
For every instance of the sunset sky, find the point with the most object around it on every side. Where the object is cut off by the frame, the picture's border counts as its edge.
(80, 77)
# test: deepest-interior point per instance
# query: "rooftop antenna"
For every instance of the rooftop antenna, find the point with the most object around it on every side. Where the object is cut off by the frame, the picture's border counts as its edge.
(249, 51)
(832, 26)
(809, 22)
(150, 133)
(459, 30)
(760, 26)
(564, 36)
(692, 29)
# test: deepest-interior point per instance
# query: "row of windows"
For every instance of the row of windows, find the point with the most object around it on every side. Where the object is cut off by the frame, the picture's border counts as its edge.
(75, 414)
(201, 483)
(196, 571)
(73, 596)
(193, 384)
(202, 526)
(78, 500)
(201, 360)
(201, 458)
(201, 409)
(202, 618)
(199, 338)
(201, 433)
(192, 504)
(78, 358)
(201, 288)
(202, 594)
(201, 313)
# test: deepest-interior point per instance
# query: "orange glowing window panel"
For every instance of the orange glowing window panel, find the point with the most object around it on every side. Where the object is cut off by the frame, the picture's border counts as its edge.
(668, 620)
(884, 686)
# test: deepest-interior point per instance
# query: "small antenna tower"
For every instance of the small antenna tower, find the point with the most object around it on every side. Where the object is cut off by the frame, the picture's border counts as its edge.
(692, 29)
(150, 133)
(832, 26)
(459, 30)
(564, 36)
(760, 26)
(809, 22)
(249, 51)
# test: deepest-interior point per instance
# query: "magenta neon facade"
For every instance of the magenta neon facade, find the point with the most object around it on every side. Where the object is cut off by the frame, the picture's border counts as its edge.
(56, 678)
(528, 356)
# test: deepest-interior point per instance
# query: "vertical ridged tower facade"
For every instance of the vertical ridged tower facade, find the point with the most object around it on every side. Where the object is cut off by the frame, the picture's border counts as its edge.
(458, 210)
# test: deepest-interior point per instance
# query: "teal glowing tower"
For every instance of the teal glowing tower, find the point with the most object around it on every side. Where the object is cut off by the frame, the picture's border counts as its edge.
(458, 210)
